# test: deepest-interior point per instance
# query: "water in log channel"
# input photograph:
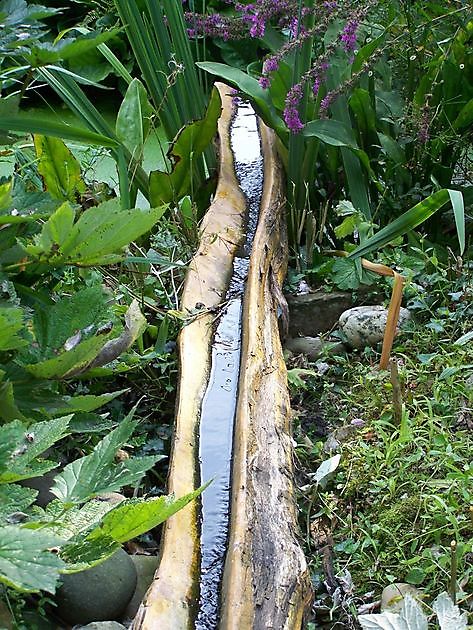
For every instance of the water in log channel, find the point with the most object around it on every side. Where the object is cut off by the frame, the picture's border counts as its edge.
(220, 399)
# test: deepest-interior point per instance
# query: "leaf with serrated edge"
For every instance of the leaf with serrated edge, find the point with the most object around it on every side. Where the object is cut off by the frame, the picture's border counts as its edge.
(411, 617)
(97, 473)
(25, 562)
(449, 615)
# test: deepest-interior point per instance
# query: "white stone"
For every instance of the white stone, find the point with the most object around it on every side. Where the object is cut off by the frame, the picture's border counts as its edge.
(364, 325)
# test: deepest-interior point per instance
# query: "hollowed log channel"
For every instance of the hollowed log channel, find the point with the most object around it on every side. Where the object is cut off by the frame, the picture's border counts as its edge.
(232, 560)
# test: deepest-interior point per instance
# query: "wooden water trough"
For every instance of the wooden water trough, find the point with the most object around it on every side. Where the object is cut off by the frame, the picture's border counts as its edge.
(232, 560)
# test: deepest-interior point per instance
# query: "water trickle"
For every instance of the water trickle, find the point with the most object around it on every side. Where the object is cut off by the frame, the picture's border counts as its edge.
(219, 403)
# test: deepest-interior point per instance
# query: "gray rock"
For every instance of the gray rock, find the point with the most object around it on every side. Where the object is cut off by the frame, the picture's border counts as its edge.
(313, 347)
(43, 485)
(101, 625)
(318, 312)
(145, 569)
(99, 594)
(393, 596)
(6, 620)
(364, 325)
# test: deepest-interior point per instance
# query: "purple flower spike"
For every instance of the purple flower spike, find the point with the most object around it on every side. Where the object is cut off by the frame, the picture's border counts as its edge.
(348, 35)
(264, 82)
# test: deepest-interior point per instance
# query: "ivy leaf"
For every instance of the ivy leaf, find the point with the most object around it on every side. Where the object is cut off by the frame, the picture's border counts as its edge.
(25, 560)
(98, 473)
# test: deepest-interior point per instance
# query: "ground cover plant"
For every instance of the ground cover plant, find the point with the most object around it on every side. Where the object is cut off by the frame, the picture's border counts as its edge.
(396, 506)
(372, 105)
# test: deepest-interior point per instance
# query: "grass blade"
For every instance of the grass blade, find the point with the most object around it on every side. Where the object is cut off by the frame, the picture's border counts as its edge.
(456, 198)
(403, 224)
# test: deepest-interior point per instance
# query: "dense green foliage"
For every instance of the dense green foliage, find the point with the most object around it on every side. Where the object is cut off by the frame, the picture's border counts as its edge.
(373, 112)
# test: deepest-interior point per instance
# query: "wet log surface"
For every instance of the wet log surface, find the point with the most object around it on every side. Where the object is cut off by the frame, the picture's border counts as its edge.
(265, 582)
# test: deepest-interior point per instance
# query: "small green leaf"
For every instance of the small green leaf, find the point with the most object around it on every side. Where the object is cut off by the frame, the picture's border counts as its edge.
(59, 168)
(56, 229)
(133, 119)
(456, 198)
(11, 322)
(101, 233)
(415, 576)
(25, 560)
(331, 132)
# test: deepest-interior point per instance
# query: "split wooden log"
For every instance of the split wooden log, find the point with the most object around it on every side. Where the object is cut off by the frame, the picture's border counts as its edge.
(266, 583)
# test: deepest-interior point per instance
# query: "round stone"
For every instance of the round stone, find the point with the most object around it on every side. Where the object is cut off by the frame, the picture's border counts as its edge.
(394, 594)
(97, 594)
(365, 325)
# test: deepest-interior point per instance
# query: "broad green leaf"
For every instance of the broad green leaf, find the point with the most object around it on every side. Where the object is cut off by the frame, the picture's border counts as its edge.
(346, 275)
(347, 226)
(47, 53)
(76, 521)
(10, 437)
(97, 473)
(56, 129)
(8, 408)
(403, 224)
(125, 521)
(135, 324)
(25, 560)
(465, 117)
(448, 614)
(69, 362)
(86, 403)
(55, 324)
(456, 199)
(133, 119)
(59, 168)
(80, 557)
(251, 88)
(137, 516)
(190, 143)
(365, 52)
(365, 116)
(30, 444)
(103, 231)
(11, 322)
(332, 132)
(14, 500)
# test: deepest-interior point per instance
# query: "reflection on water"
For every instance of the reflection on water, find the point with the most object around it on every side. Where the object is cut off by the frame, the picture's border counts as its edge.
(219, 403)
